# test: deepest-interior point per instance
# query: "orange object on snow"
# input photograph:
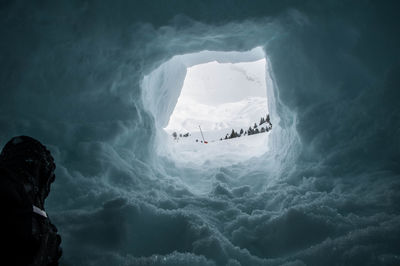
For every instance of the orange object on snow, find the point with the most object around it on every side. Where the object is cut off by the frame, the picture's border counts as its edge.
(205, 142)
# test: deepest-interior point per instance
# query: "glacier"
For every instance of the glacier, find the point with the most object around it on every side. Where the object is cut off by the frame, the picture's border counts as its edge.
(76, 76)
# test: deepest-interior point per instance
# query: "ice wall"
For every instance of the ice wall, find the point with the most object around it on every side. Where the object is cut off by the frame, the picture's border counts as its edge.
(328, 193)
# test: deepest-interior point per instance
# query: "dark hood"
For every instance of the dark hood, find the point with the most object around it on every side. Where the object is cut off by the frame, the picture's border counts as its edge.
(30, 164)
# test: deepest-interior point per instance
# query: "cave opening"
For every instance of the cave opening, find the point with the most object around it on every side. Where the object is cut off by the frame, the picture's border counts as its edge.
(213, 98)
(225, 106)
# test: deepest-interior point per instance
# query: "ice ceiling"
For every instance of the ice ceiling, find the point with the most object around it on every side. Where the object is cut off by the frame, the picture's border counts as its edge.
(75, 75)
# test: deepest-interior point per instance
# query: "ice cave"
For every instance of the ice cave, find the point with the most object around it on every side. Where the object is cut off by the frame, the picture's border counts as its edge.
(98, 83)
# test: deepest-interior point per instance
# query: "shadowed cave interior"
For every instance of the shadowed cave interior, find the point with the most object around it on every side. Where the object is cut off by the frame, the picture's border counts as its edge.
(97, 83)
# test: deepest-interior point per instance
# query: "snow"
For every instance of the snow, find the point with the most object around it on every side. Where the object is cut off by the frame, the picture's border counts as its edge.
(235, 115)
(216, 122)
(97, 83)
(219, 97)
(217, 153)
(216, 83)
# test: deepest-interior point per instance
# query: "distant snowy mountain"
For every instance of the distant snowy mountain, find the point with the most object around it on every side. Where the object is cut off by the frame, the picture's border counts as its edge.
(235, 115)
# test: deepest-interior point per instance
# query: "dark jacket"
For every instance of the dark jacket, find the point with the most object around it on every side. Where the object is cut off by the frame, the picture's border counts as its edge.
(27, 235)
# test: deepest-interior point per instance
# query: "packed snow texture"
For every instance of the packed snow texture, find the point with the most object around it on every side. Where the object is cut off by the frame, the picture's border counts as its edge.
(326, 192)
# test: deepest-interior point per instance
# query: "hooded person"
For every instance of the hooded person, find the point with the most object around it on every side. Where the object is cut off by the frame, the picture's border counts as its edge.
(27, 235)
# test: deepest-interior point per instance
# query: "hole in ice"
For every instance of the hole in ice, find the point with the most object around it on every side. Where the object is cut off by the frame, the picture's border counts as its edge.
(221, 114)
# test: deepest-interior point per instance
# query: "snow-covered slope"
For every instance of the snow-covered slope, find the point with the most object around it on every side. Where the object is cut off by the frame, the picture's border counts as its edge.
(216, 122)
(217, 152)
(242, 114)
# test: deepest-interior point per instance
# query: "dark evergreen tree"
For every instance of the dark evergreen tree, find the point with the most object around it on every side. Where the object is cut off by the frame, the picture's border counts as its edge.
(262, 130)
(255, 125)
(241, 131)
(233, 134)
(250, 131)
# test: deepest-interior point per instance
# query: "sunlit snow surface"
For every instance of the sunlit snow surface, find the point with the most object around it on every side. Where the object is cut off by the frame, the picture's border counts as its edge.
(218, 153)
(216, 123)
(73, 75)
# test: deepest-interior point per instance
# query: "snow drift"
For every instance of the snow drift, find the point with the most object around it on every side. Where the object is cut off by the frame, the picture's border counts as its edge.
(326, 192)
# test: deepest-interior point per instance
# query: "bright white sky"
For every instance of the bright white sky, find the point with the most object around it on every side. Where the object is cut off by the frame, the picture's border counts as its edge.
(218, 96)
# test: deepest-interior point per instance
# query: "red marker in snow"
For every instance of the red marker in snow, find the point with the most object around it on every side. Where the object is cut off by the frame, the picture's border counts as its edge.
(205, 142)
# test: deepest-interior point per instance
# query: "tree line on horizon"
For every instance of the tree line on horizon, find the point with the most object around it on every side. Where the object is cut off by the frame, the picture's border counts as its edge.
(175, 135)
(256, 129)
(251, 130)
